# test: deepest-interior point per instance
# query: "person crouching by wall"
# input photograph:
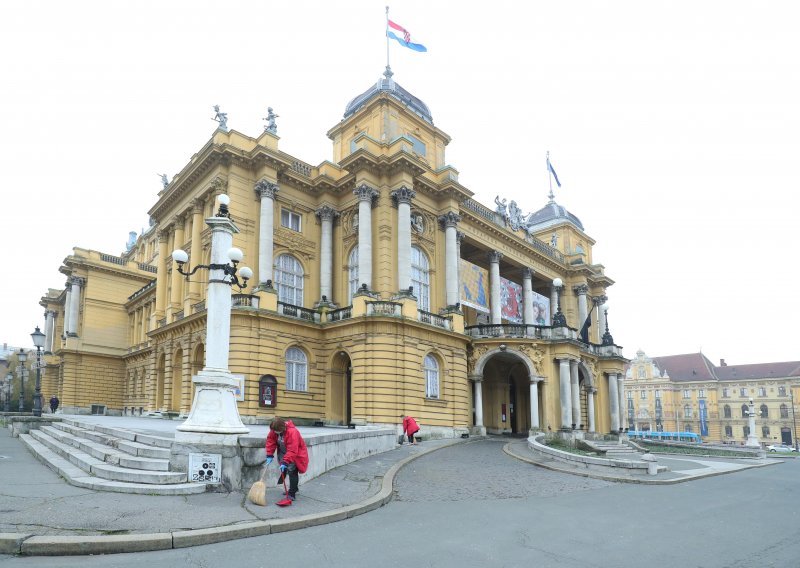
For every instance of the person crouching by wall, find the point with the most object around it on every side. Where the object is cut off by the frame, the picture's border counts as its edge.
(292, 451)
(410, 428)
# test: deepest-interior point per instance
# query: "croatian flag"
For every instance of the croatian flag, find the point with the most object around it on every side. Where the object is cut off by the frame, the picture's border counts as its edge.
(406, 39)
(552, 171)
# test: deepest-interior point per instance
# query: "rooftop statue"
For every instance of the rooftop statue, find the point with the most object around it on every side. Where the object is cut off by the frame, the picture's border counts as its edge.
(221, 117)
(164, 180)
(271, 126)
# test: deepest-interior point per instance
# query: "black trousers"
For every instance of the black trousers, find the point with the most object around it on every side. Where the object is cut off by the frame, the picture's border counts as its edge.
(293, 474)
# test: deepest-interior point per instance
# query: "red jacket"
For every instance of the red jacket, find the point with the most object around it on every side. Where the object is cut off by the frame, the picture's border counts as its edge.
(296, 451)
(410, 426)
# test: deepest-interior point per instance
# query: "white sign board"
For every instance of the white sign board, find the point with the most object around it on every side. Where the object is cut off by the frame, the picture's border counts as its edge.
(238, 391)
(205, 468)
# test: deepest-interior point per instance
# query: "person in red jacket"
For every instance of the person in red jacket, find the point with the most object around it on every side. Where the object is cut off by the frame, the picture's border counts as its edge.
(410, 428)
(292, 452)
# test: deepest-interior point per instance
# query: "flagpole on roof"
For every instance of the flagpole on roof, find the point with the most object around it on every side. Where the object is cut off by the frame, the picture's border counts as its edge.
(388, 67)
(549, 177)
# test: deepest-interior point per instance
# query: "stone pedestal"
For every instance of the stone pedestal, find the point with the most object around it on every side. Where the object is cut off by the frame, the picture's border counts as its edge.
(214, 412)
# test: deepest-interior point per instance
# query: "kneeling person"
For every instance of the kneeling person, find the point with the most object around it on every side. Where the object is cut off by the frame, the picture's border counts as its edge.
(292, 452)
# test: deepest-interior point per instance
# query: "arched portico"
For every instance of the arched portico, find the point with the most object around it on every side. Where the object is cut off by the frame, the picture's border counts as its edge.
(506, 392)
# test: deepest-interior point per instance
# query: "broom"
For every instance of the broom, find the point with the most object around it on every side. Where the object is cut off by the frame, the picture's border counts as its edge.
(258, 492)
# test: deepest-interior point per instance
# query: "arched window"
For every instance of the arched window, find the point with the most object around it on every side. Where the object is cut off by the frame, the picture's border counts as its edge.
(420, 278)
(744, 411)
(765, 431)
(726, 411)
(352, 274)
(687, 411)
(764, 411)
(728, 431)
(784, 411)
(296, 370)
(431, 368)
(746, 431)
(781, 391)
(289, 280)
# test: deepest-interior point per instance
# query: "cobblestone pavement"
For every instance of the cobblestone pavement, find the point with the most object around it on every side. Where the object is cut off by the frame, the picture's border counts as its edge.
(484, 473)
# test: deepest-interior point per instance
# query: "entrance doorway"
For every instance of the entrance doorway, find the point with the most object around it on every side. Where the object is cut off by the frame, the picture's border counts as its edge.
(341, 386)
(786, 436)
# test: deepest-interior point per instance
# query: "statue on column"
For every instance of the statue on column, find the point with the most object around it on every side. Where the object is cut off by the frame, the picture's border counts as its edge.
(221, 117)
(271, 125)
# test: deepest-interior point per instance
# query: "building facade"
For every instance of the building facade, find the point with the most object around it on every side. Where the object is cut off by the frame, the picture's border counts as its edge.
(687, 393)
(382, 288)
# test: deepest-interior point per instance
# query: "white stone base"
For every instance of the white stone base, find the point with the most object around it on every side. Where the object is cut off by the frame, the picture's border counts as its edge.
(214, 409)
(752, 442)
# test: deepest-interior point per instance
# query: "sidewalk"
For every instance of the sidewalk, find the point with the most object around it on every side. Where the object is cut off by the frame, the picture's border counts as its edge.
(43, 515)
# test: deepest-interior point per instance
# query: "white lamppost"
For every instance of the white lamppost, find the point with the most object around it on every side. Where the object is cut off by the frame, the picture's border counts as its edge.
(214, 416)
(752, 439)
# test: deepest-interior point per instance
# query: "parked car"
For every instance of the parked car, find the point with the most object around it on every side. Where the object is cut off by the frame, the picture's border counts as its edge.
(780, 448)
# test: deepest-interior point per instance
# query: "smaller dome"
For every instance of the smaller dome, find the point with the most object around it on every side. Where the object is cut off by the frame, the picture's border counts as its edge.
(388, 85)
(551, 214)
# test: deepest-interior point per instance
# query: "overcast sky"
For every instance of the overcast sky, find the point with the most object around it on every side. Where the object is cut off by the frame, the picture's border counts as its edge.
(673, 126)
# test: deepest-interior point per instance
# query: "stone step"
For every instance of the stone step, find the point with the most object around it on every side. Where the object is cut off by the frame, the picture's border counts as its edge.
(99, 468)
(124, 434)
(79, 478)
(143, 448)
(107, 453)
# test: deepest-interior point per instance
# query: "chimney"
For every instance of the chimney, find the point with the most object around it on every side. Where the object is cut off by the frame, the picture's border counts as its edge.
(722, 363)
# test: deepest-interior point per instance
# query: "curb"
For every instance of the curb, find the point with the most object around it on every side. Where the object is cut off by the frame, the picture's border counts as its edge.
(26, 544)
(623, 479)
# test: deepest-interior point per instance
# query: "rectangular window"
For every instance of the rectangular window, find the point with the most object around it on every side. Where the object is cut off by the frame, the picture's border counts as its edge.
(743, 392)
(781, 391)
(762, 391)
(643, 395)
(418, 146)
(725, 393)
(290, 220)
(686, 394)
(658, 394)
(765, 431)
(629, 394)
(701, 393)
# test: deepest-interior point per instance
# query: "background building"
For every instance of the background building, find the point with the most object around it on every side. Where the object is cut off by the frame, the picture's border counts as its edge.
(382, 289)
(688, 393)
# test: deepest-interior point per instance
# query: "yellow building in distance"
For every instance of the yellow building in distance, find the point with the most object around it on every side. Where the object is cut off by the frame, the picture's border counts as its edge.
(688, 393)
(382, 288)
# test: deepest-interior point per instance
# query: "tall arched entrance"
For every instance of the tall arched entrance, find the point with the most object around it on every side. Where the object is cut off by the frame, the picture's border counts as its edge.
(506, 392)
(340, 390)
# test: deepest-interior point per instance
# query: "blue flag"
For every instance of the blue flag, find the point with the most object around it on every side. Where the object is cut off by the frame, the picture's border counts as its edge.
(552, 171)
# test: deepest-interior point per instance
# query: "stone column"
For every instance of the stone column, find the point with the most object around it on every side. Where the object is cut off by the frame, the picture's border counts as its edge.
(590, 408)
(161, 274)
(195, 254)
(67, 304)
(527, 295)
(494, 286)
(326, 215)
(576, 393)
(49, 328)
(565, 393)
(176, 288)
(623, 409)
(74, 305)
(449, 221)
(580, 292)
(534, 395)
(267, 191)
(403, 197)
(598, 302)
(477, 383)
(613, 401)
(365, 196)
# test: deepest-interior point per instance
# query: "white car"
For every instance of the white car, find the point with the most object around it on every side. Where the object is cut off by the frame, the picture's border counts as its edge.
(780, 448)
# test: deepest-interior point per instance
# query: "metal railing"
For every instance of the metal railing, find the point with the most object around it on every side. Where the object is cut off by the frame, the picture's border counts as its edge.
(481, 210)
(382, 308)
(340, 314)
(435, 319)
(298, 312)
(244, 301)
(509, 330)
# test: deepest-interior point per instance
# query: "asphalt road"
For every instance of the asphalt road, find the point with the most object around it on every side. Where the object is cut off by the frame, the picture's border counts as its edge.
(472, 505)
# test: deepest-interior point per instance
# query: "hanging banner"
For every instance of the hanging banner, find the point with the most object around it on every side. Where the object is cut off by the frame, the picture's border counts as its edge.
(703, 420)
(541, 309)
(510, 301)
(474, 286)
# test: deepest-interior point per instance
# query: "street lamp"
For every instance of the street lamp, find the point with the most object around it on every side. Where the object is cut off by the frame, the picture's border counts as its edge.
(38, 341)
(607, 339)
(9, 379)
(22, 357)
(559, 319)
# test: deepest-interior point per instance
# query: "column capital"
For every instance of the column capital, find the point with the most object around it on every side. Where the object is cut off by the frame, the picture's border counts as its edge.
(265, 188)
(197, 205)
(366, 193)
(460, 236)
(77, 280)
(163, 235)
(449, 219)
(326, 213)
(403, 195)
(599, 300)
(495, 256)
(580, 289)
(536, 380)
(527, 273)
(475, 377)
(178, 219)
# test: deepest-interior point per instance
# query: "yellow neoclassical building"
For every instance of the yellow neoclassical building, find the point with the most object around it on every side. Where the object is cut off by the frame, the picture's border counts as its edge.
(381, 288)
(688, 393)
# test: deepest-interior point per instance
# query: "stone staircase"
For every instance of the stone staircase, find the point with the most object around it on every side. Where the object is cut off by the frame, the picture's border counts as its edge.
(615, 451)
(109, 459)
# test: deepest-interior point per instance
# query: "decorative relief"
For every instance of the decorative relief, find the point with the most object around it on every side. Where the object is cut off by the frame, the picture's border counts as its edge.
(418, 223)
(591, 365)
(295, 243)
(536, 356)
